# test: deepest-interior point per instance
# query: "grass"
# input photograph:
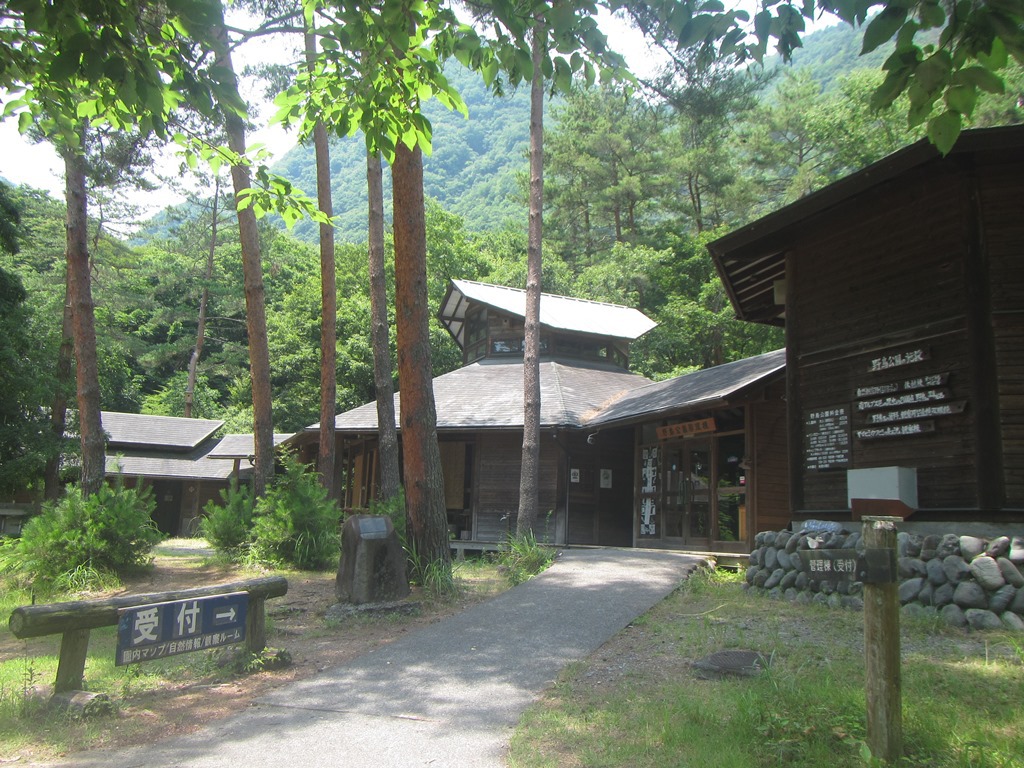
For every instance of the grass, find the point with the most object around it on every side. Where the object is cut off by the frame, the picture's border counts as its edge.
(638, 702)
(31, 731)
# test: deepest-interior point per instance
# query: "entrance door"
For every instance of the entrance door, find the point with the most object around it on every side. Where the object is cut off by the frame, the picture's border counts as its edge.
(687, 499)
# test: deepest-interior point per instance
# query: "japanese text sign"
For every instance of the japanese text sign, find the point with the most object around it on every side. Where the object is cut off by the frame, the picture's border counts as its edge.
(154, 631)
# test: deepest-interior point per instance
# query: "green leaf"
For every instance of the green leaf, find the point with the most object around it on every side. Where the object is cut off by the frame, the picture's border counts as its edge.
(961, 98)
(981, 78)
(883, 28)
(943, 131)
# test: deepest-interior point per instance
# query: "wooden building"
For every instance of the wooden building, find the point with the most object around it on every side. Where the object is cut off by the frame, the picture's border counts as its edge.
(901, 290)
(182, 460)
(623, 460)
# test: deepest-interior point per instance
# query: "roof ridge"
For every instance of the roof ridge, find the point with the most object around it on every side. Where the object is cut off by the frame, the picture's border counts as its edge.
(549, 295)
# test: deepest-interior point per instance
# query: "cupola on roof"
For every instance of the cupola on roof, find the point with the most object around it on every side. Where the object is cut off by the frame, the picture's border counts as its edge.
(562, 313)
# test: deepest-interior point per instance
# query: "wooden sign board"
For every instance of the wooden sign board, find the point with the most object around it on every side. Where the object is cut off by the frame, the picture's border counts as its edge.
(687, 428)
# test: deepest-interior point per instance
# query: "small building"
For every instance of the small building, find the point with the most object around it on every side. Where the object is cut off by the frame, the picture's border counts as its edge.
(624, 461)
(901, 290)
(182, 460)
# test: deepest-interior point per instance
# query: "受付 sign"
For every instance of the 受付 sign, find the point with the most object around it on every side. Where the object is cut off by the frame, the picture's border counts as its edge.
(148, 632)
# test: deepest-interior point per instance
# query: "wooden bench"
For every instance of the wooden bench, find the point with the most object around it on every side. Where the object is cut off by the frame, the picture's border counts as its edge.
(74, 619)
(461, 546)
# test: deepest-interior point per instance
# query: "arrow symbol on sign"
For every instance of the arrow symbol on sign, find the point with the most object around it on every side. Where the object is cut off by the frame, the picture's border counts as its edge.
(225, 615)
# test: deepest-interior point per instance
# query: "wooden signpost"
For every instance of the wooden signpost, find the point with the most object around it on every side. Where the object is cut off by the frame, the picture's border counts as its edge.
(875, 568)
(883, 684)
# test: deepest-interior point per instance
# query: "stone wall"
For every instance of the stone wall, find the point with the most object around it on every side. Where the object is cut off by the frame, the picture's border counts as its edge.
(968, 581)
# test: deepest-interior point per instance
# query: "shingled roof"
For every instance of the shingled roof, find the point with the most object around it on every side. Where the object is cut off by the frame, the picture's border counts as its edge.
(170, 465)
(488, 394)
(695, 391)
(170, 433)
(562, 313)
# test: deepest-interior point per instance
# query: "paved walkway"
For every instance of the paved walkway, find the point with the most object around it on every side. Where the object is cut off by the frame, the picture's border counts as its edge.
(447, 695)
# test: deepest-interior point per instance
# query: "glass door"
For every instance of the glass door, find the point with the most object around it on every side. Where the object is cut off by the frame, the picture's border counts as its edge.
(686, 500)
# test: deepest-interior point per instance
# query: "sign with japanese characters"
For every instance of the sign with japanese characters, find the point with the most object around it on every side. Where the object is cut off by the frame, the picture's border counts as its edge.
(872, 566)
(149, 632)
(833, 564)
(827, 438)
(687, 428)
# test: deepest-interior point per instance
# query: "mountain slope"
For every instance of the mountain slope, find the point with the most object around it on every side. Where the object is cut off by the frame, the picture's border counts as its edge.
(471, 172)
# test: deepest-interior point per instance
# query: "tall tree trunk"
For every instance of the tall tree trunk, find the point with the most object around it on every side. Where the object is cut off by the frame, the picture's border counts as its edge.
(90, 427)
(328, 298)
(252, 271)
(529, 478)
(424, 482)
(59, 411)
(390, 478)
(204, 300)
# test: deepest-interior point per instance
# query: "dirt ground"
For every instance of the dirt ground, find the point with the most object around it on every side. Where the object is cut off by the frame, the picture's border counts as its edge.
(295, 622)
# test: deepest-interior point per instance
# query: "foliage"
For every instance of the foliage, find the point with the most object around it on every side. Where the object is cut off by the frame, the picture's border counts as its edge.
(435, 577)
(228, 526)
(960, 691)
(25, 440)
(294, 523)
(522, 558)
(74, 539)
(394, 510)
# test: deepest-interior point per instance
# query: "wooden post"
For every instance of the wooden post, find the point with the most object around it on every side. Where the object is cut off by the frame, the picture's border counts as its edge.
(74, 647)
(883, 686)
(256, 625)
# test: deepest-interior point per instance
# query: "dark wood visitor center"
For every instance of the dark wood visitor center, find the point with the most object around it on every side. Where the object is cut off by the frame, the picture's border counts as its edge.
(696, 462)
(901, 290)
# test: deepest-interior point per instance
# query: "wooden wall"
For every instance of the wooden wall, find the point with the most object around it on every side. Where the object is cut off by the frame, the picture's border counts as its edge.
(499, 458)
(766, 443)
(1000, 198)
(902, 303)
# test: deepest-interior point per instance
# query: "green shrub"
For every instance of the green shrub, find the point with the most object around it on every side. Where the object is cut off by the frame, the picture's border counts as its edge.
(294, 523)
(394, 509)
(523, 558)
(77, 541)
(228, 526)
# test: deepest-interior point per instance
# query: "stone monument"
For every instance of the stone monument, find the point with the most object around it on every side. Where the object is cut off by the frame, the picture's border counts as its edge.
(372, 566)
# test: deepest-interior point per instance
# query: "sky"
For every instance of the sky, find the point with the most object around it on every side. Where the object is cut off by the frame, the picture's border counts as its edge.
(37, 165)
(22, 162)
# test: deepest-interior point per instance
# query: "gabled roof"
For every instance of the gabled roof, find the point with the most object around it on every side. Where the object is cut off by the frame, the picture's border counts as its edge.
(170, 433)
(168, 465)
(562, 313)
(241, 446)
(488, 394)
(751, 259)
(694, 391)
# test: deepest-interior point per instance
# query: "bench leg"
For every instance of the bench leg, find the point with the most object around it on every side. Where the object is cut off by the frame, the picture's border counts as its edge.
(74, 646)
(256, 625)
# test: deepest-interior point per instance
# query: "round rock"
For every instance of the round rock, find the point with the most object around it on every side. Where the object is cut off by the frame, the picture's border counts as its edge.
(998, 547)
(985, 571)
(1016, 553)
(775, 579)
(1017, 606)
(956, 569)
(942, 595)
(982, 619)
(911, 567)
(910, 589)
(936, 574)
(969, 594)
(971, 547)
(1012, 621)
(1010, 572)
(948, 545)
(771, 558)
(953, 615)
(784, 560)
(1002, 598)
